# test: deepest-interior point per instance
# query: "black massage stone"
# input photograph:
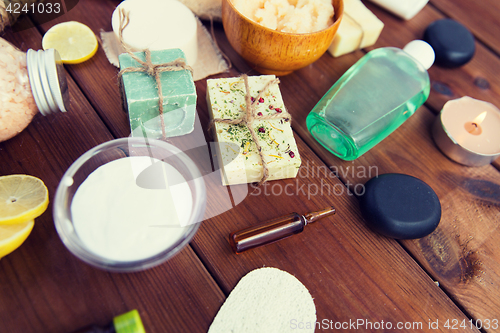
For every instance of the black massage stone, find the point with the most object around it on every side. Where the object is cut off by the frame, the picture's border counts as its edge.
(452, 42)
(400, 206)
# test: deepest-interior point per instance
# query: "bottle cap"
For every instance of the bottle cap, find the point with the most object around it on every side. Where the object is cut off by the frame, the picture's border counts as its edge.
(47, 80)
(400, 206)
(452, 42)
(129, 322)
(421, 51)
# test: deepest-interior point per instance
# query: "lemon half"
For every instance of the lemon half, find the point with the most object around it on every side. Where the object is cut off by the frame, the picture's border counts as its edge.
(22, 198)
(74, 41)
(13, 235)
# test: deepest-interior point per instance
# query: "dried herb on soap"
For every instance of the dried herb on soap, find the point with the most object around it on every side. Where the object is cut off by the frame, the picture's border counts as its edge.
(249, 115)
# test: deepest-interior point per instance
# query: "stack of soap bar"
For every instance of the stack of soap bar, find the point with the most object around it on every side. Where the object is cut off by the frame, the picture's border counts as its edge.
(238, 157)
(141, 97)
(359, 28)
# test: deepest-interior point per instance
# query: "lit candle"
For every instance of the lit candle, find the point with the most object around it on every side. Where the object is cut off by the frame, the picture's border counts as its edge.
(474, 127)
(468, 131)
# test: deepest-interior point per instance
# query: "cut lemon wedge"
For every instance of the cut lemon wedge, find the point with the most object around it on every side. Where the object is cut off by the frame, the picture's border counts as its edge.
(74, 41)
(22, 198)
(13, 235)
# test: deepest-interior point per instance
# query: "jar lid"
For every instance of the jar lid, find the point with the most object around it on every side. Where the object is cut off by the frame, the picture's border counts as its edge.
(47, 80)
(57, 78)
(400, 206)
(36, 83)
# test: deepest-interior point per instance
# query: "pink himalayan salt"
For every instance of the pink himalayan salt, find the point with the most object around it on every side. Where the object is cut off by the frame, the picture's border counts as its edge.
(17, 106)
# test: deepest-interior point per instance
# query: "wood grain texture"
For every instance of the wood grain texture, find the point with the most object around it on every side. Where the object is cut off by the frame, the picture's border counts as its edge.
(43, 287)
(480, 17)
(351, 272)
(461, 253)
(338, 259)
(476, 79)
(100, 84)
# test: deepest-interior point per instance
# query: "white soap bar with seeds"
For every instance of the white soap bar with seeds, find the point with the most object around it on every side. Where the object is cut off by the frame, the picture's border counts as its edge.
(238, 157)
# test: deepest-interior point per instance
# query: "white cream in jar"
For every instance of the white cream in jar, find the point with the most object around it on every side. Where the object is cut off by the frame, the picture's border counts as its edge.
(118, 219)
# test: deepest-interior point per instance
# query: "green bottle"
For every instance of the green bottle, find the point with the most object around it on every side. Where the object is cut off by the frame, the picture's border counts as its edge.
(372, 99)
(129, 322)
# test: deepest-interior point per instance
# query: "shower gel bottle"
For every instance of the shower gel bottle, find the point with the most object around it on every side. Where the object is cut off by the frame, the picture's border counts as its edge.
(372, 99)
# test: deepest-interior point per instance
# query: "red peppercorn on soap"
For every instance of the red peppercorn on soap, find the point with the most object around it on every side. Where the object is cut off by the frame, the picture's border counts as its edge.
(238, 156)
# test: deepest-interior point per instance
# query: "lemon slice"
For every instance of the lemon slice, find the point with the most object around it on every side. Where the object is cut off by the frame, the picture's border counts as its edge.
(74, 41)
(22, 198)
(13, 235)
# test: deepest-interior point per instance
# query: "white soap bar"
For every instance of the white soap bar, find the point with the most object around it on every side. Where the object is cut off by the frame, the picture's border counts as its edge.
(238, 157)
(347, 39)
(267, 300)
(205, 9)
(358, 29)
(406, 9)
(158, 25)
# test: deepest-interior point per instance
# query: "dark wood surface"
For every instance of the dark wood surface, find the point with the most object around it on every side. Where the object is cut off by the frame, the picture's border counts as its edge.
(351, 272)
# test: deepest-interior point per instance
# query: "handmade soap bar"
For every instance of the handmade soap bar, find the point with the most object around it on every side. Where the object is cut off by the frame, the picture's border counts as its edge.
(141, 96)
(158, 25)
(238, 157)
(359, 28)
(406, 9)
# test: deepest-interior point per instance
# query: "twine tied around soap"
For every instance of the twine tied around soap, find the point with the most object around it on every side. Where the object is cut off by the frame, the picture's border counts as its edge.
(148, 67)
(249, 116)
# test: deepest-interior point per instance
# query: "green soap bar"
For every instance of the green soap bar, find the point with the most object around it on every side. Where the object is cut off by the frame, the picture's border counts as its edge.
(141, 96)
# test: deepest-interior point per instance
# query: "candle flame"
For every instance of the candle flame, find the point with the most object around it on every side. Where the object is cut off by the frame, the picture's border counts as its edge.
(479, 119)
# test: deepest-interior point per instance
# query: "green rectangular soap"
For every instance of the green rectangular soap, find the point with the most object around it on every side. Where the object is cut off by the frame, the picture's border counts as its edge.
(141, 96)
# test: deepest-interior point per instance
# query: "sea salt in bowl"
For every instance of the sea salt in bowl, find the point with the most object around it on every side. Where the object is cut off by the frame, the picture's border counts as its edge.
(129, 204)
(273, 52)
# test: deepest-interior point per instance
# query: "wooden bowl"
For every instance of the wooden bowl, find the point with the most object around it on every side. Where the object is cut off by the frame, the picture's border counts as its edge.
(272, 52)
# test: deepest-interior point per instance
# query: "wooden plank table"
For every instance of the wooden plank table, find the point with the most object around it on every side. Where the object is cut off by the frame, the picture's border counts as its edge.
(451, 276)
